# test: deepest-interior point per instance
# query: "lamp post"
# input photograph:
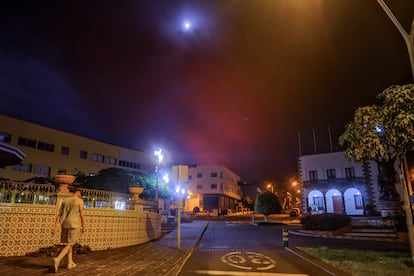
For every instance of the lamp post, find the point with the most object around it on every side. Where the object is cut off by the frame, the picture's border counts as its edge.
(403, 166)
(159, 157)
(180, 192)
(408, 37)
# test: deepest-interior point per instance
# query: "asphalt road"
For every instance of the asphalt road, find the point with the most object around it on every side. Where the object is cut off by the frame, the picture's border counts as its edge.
(239, 248)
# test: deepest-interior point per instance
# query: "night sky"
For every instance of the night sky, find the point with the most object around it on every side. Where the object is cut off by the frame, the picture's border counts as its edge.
(235, 89)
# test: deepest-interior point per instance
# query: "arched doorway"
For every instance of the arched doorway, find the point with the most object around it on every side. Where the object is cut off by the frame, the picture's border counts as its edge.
(354, 202)
(316, 202)
(334, 202)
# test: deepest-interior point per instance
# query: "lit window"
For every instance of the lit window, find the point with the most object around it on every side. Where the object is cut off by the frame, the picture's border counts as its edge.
(4, 137)
(23, 167)
(97, 157)
(112, 161)
(358, 201)
(41, 170)
(318, 202)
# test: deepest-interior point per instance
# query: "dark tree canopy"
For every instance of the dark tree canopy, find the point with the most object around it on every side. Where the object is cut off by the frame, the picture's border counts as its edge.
(267, 203)
(119, 180)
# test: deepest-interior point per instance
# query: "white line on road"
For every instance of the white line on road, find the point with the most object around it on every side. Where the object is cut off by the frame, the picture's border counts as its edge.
(244, 273)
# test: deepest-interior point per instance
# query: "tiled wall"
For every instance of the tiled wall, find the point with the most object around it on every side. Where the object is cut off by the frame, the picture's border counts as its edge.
(25, 228)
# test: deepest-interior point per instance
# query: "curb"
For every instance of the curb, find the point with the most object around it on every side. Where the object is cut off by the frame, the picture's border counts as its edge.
(317, 262)
(298, 233)
(190, 253)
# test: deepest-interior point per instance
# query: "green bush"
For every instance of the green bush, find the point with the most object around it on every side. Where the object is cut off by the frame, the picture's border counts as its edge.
(267, 203)
(325, 222)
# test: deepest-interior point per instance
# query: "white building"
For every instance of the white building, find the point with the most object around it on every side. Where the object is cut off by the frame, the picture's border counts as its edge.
(333, 184)
(48, 151)
(213, 188)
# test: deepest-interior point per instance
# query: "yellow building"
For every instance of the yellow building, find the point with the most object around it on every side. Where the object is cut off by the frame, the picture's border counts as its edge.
(49, 151)
(213, 188)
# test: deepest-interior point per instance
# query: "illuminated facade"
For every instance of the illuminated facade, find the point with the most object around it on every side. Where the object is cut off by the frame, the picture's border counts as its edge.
(49, 151)
(333, 184)
(213, 188)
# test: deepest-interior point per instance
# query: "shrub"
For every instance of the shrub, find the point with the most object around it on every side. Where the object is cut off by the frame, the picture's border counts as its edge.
(325, 222)
(267, 203)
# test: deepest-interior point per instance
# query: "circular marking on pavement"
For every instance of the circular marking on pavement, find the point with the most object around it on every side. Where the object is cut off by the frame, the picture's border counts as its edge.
(248, 261)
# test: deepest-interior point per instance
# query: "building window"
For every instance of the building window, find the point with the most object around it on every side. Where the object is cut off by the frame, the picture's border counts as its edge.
(350, 173)
(313, 175)
(358, 201)
(97, 157)
(23, 167)
(111, 160)
(64, 150)
(318, 202)
(199, 175)
(190, 177)
(46, 146)
(41, 170)
(213, 174)
(331, 174)
(199, 187)
(213, 186)
(4, 137)
(123, 163)
(84, 154)
(27, 142)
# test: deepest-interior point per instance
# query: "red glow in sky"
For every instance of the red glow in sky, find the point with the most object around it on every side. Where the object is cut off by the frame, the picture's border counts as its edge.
(235, 89)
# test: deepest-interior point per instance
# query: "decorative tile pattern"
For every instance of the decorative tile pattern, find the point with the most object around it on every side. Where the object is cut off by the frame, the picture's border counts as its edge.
(25, 228)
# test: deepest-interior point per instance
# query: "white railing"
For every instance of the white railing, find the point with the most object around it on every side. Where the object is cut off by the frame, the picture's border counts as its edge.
(23, 192)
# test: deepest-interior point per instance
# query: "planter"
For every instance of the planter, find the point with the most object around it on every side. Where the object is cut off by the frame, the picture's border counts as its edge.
(136, 191)
(64, 180)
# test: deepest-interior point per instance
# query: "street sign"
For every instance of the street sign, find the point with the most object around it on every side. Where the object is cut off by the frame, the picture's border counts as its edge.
(180, 174)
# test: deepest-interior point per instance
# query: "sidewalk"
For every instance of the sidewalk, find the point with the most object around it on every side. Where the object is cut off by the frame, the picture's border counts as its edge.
(160, 257)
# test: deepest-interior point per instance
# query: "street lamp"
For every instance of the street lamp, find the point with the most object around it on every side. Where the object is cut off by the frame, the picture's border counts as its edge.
(270, 185)
(159, 157)
(404, 175)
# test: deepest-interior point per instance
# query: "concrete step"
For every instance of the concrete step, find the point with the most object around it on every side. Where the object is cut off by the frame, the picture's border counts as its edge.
(373, 231)
(371, 234)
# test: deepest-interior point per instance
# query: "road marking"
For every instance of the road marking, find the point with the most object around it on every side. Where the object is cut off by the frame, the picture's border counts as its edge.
(244, 273)
(248, 260)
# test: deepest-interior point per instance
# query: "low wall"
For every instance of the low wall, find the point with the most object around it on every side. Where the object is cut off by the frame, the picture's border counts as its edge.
(25, 228)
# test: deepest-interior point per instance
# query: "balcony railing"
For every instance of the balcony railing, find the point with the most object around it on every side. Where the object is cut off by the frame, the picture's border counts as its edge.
(339, 181)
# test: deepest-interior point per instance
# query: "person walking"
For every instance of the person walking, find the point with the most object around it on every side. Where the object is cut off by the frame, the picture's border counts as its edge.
(72, 220)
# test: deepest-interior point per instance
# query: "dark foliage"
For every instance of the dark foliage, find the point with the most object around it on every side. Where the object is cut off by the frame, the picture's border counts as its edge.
(325, 222)
(119, 180)
(267, 203)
